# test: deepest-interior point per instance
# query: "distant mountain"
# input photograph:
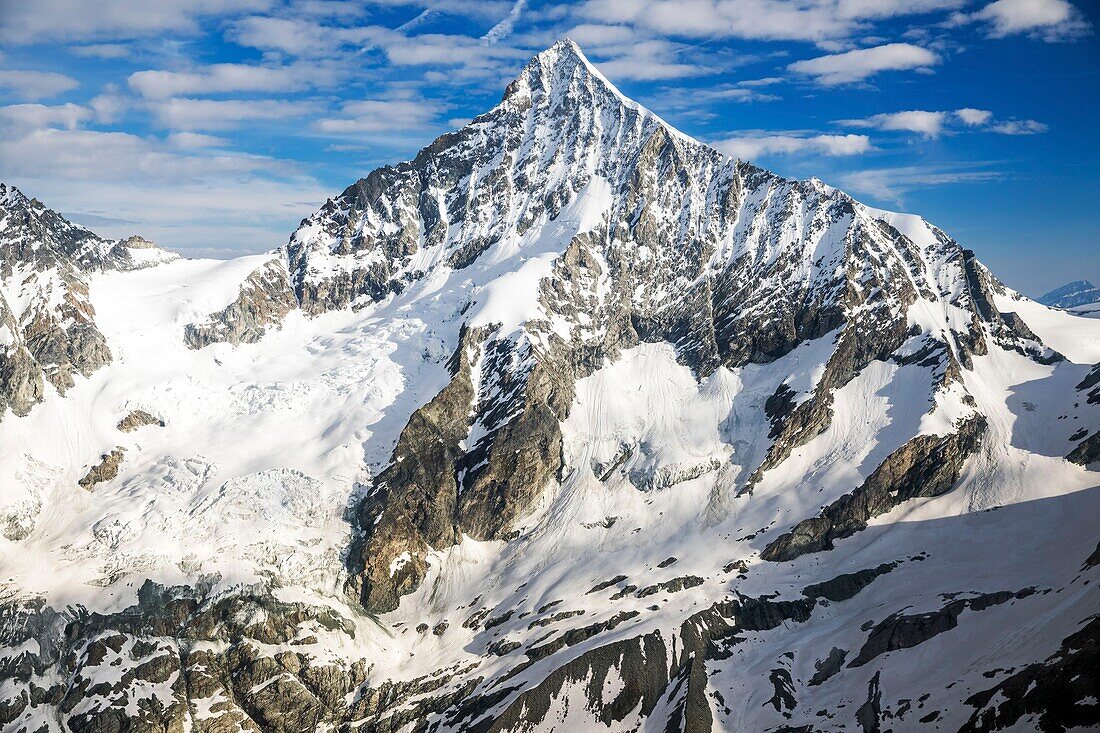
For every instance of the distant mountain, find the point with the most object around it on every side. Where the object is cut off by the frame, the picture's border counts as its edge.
(1072, 295)
(569, 423)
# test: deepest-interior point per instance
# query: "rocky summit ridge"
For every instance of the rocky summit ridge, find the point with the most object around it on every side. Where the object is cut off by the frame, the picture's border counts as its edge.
(568, 423)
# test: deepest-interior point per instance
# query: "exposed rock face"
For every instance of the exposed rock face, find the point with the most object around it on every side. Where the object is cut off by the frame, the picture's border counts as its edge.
(264, 301)
(138, 419)
(105, 470)
(845, 586)
(44, 260)
(902, 631)
(927, 465)
(796, 354)
(1056, 694)
(673, 216)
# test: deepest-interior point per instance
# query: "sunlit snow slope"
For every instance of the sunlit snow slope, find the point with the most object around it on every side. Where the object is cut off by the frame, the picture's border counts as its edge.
(570, 423)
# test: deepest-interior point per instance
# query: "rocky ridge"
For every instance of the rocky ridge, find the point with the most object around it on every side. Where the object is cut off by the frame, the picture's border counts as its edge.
(731, 555)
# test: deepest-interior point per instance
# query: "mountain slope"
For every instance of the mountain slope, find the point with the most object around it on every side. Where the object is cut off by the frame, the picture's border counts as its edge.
(1079, 297)
(568, 423)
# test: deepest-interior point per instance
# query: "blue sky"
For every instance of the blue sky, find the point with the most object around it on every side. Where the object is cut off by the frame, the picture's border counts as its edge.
(214, 127)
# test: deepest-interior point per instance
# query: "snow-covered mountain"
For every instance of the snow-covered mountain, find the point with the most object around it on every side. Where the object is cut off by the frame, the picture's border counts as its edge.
(569, 423)
(1080, 297)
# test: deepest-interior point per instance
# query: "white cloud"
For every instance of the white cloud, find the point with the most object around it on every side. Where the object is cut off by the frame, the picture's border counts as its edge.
(31, 22)
(35, 85)
(188, 199)
(220, 78)
(973, 117)
(109, 104)
(1052, 20)
(595, 35)
(221, 114)
(35, 116)
(379, 115)
(648, 61)
(753, 19)
(304, 37)
(929, 124)
(890, 184)
(195, 141)
(1019, 127)
(932, 124)
(101, 51)
(752, 147)
(817, 20)
(503, 29)
(852, 66)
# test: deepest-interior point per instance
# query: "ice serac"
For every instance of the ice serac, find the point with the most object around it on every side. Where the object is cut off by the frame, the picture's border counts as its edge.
(603, 430)
(47, 323)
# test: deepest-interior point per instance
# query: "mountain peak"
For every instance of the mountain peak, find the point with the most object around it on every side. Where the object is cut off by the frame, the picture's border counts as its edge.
(564, 73)
(1070, 295)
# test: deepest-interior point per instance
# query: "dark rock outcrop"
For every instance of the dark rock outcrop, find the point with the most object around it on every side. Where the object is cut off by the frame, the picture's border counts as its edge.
(105, 470)
(138, 419)
(928, 465)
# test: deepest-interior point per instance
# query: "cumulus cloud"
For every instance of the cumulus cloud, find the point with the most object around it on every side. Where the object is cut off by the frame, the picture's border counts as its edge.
(35, 116)
(1051, 20)
(35, 85)
(852, 66)
(929, 124)
(752, 147)
(973, 117)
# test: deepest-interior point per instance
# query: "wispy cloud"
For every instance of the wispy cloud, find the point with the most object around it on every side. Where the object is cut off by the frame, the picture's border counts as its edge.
(891, 184)
(503, 29)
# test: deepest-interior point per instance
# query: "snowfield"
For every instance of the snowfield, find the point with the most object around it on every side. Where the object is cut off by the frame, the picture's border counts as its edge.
(570, 424)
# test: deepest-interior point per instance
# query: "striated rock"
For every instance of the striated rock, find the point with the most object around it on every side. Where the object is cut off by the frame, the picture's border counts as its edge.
(264, 301)
(928, 465)
(105, 470)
